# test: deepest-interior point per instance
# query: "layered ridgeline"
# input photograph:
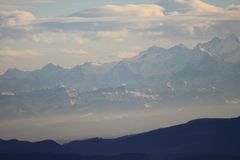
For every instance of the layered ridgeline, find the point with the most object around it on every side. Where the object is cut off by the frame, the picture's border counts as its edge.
(208, 74)
(207, 139)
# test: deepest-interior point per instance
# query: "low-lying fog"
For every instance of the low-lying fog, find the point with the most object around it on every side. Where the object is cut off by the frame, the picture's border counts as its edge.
(107, 125)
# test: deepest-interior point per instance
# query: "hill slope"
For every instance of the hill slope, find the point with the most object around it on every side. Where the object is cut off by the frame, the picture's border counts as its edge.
(197, 138)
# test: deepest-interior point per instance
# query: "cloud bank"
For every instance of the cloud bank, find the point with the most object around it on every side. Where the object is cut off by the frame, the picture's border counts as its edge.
(120, 26)
(167, 18)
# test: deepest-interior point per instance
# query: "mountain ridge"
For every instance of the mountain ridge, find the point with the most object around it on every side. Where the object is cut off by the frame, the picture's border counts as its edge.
(157, 77)
(154, 48)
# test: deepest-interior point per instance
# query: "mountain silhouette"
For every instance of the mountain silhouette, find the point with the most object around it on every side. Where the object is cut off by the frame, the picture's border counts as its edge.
(202, 138)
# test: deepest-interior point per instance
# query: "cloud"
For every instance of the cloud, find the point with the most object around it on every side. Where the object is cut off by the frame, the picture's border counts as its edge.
(16, 18)
(80, 40)
(14, 2)
(144, 95)
(19, 53)
(79, 52)
(129, 53)
(171, 19)
(223, 28)
(232, 101)
(51, 37)
(115, 21)
(233, 7)
(113, 35)
(48, 37)
(175, 29)
(151, 34)
(143, 10)
(16, 24)
(184, 6)
(147, 106)
(126, 54)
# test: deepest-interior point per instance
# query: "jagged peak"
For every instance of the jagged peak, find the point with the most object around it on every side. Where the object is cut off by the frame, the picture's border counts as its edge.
(232, 37)
(87, 64)
(215, 39)
(12, 70)
(179, 46)
(155, 49)
(151, 50)
(51, 66)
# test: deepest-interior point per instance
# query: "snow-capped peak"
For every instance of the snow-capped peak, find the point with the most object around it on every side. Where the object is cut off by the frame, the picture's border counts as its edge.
(225, 49)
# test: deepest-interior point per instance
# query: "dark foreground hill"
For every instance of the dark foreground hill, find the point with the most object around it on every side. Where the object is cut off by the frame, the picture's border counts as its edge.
(59, 156)
(198, 139)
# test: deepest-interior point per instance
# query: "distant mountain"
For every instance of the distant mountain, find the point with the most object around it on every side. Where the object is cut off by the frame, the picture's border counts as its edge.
(154, 62)
(61, 100)
(51, 76)
(34, 103)
(203, 138)
(208, 74)
(227, 49)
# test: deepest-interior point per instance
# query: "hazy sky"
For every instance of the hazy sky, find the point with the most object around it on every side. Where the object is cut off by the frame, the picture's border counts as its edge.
(69, 32)
(107, 125)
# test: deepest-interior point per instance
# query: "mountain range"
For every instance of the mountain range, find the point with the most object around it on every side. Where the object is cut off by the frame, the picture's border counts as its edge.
(197, 139)
(208, 74)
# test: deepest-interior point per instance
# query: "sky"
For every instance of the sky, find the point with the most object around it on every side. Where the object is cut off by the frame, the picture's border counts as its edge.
(64, 128)
(37, 32)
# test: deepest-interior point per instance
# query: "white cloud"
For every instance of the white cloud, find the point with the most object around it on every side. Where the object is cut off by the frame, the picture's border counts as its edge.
(78, 52)
(188, 18)
(150, 34)
(126, 54)
(184, 6)
(14, 2)
(16, 18)
(142, 10)
(19, 53)
(48, 37)
(113, 35)
(80, 40)
(129, 53)
(146, 96)
(233, 7)
(183, 18)
(232, 101)
(203, 7)
(197, 28)
(147, 106)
